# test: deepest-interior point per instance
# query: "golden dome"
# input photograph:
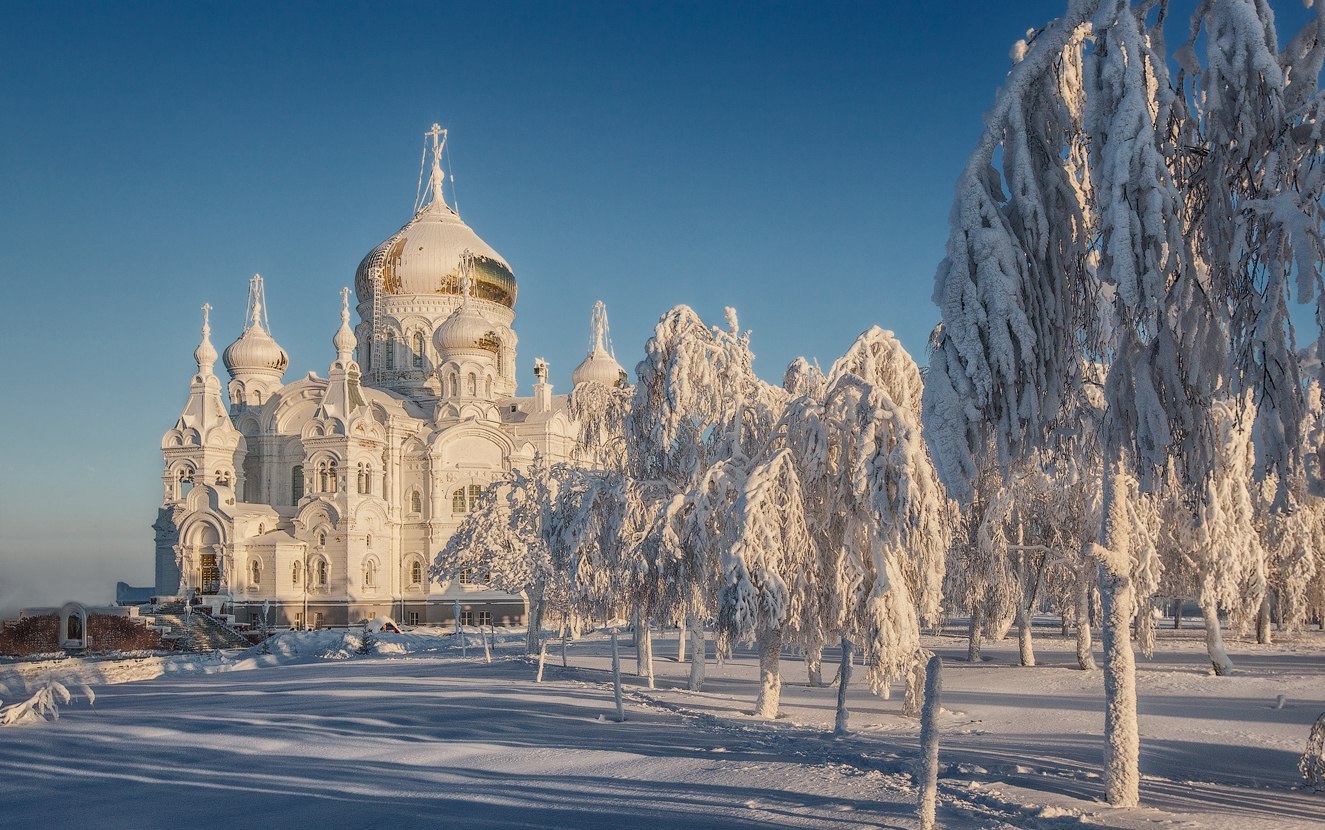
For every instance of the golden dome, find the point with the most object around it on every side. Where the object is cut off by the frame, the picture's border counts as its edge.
(424, 258)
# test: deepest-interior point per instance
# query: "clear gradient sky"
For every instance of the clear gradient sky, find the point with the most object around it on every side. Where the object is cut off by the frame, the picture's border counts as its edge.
(795, 161)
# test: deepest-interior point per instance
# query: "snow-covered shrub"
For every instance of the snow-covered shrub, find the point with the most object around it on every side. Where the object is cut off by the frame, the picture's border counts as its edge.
(42, 706)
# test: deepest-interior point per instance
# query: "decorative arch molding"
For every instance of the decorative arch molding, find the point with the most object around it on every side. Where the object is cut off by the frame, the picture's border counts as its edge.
(204, 498)
(370, 510)
(486, 445)
(294, 406)
(315, 512)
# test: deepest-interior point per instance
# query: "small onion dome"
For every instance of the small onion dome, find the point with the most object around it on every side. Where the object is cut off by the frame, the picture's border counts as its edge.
(255, 353)
(598, 367)
(466, 328)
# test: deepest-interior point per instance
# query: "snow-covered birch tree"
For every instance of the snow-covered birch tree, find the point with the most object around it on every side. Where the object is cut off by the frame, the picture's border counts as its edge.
(1166, 256)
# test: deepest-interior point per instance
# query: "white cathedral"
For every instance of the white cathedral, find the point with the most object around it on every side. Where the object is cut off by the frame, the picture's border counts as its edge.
(324, 500)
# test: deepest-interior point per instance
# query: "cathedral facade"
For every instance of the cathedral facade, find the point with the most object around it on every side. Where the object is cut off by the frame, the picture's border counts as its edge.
(323, 501)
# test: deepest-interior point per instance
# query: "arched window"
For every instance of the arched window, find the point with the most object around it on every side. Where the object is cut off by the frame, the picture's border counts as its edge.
(223, 477)
(370, 573)
(475, 491)
(389, 349)
(473, 385)
(321, 539)
(455, 385)
(321, 573)
(415, 502)
(458, 501)
(489, 392)
(296, 483)
(185, 481)
(416, 572)
(365, 479)
(255, 572)
(294, 572)
(418, 350)
(331, 477)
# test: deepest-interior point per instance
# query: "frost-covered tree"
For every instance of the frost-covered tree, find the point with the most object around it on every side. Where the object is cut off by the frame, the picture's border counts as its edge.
(877, 513)
(507, 542)
(1229, 560)
(1166, 253)
(699, 418)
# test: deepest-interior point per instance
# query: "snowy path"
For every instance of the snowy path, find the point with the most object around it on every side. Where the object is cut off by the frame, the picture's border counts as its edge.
(428, 739)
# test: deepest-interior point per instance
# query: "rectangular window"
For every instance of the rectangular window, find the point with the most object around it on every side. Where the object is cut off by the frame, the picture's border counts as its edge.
(414, 618)
(485, 618)
(317, 619)
(466, 617)
(299, 620)
(463, 577)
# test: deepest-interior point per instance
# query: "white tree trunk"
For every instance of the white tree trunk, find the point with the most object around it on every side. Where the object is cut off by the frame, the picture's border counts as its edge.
(929, 743)
(843, 680)
(564, 635)
(644, 639)
(487, 652)
(770, 673)
(1214, 640)
(1085, 649)
(697, 654)
(814, 665)
(542, 658)
(634, 641)
(1025, 579)
(616, 680)
(681, 642)
(1025, 648)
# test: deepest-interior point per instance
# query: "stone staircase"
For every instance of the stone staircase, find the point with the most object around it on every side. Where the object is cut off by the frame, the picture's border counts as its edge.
(197, 631)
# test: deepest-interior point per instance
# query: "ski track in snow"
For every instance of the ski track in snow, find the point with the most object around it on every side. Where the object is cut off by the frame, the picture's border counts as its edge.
(412, 734)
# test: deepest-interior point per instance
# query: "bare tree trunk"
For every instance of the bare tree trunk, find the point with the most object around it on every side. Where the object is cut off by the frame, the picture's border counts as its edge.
(616, 679)
(1122, 742)
(681, 642)
(1177, 613)
(928, 776)
(535, 635)
(973, 637)
(698, 654)
(843, 680)
(770, 673)
(814, 659)
(1263, 621)
(1214, 640)
(1066, 622)
(1085, 655)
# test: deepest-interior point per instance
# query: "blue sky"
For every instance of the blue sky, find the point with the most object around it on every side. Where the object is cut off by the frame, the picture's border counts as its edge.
(795, 161)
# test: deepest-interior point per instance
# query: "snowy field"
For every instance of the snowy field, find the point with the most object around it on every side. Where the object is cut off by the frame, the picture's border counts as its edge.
(317, 734)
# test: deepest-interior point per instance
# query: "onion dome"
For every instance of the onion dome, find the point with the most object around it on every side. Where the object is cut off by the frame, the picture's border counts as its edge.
(205, 354)
(255, 352)
(344, 341)
(600, 365)
(424, 256)
(466, 328)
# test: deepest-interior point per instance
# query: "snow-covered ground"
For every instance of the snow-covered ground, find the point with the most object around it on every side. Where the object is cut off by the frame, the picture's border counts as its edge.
(412, 734)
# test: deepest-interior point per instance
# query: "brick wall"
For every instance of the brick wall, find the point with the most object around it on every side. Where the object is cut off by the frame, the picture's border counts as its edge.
(39, 635)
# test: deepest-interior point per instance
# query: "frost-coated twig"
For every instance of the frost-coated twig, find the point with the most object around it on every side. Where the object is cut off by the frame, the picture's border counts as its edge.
(929, 743)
